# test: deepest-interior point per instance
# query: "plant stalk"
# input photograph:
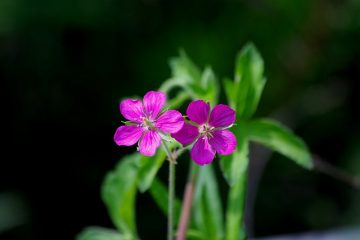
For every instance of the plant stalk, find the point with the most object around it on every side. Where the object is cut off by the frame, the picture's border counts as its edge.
(187, 202)
(171, 186)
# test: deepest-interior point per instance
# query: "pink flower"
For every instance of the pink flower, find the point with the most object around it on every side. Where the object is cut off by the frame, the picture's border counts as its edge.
(208, 130)
(147, 122)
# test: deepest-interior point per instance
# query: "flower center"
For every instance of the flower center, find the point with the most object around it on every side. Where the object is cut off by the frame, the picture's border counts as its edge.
(148, 124)
(206, 130)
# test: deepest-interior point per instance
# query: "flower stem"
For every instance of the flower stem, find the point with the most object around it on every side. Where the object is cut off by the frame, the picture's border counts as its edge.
(171, 186)
(187, 202)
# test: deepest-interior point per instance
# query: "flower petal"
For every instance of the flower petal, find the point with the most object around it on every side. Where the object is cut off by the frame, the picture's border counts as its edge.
(223, 141)
(150, 141)
(222, 116)
(127, 135)
(198, 111)
(186, 135)
(202, 152)
(132, 110)
(170, 121)
(153, 103)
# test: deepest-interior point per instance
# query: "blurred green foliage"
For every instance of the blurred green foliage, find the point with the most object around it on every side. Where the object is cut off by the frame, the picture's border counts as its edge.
(66, 63)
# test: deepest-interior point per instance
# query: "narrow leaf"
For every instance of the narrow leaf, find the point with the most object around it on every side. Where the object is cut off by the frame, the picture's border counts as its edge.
(234, 168)
(249, 81)
(279, 138)
(149, 168)
(235, 165)
(229, 88)
(207, 207)
(119, 193)
(100, 233)
(236, 209)
(209, 85)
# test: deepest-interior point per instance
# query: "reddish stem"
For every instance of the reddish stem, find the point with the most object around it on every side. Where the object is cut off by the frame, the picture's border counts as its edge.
(185, 211)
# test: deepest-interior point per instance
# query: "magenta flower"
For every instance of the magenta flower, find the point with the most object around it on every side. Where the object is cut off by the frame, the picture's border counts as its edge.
(148, 123)
(208, 130)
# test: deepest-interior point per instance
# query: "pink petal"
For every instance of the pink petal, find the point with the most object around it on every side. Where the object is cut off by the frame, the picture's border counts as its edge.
(153, 103)
(150, 141)
(132, 110)
(222, 116)
(202, 152)
(186, 135)
(127, 135)
(170, 121)
(198, 111)
(223, 141)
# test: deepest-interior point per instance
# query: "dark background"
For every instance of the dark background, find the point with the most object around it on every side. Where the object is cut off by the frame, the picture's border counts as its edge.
(65, 64)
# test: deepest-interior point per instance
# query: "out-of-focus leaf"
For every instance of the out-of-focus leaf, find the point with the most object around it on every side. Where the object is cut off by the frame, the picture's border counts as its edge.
(207, 208)
(209, 86)
(149, 166)
(235, 165)
(193, 234)
(100, 233)
(183, 68)
(234, 228)
(119, 193)
(280, 139)
(177, 101)
(160, 194)
(230, 92)
(245, 92)
(234, 168)
(196, 84)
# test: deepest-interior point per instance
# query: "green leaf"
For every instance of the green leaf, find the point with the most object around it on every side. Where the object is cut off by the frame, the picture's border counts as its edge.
(195, 83)
(99, 233)
(160, 195)
(177, 101)
(234, 168)
(209, 86)
(230, 92)
(149, 168)
(280, 139)
(207, 208)
(183, 68)
(235, 165)
(193, 234)
(236, 208)
(119, 193)
(249, 82)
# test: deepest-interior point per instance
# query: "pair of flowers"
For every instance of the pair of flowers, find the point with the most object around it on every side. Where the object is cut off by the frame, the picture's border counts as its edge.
(205, 129)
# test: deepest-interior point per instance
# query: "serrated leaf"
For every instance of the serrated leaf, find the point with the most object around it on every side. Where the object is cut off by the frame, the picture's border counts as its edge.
(100, 233)
(249, 81)
(279, 138)
(207, 207)
(235, 165)
(119, 193)
(159, 193)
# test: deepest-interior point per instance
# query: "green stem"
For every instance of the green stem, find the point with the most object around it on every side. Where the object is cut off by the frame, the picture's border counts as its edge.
(171, 192)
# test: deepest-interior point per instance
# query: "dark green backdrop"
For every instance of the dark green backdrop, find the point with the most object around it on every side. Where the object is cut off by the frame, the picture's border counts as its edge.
(65, 64)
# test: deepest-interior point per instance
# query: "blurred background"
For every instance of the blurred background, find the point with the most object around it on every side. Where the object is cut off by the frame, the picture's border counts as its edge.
(65, 64)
